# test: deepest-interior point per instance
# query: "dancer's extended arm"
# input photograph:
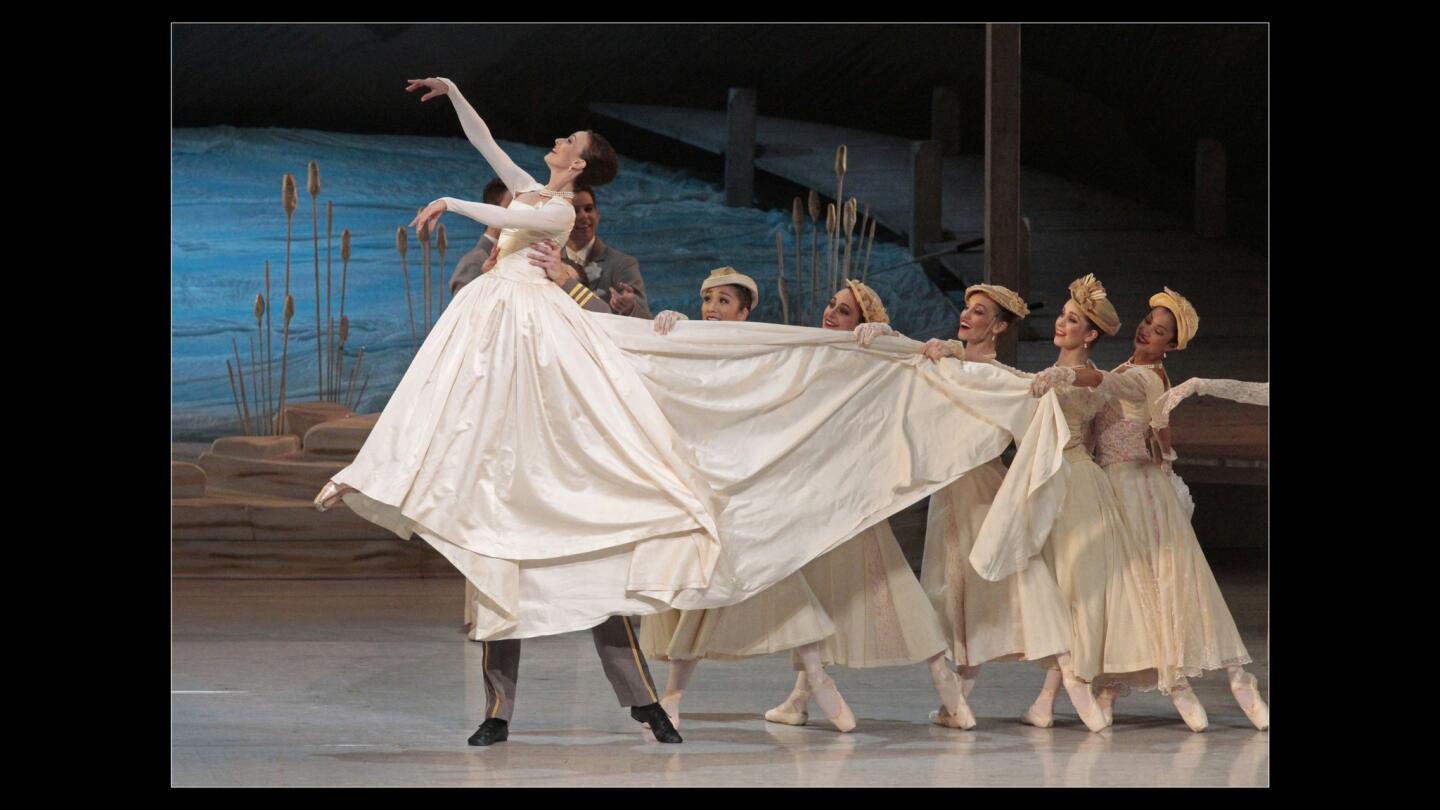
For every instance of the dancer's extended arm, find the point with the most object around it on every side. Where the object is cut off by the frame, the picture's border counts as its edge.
(514, 178)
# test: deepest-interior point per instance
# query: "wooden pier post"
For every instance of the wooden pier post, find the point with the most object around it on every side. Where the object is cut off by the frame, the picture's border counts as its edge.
(925, 184)
(945, 120)
(1210, 188)
(1002, 167)
(740, 148)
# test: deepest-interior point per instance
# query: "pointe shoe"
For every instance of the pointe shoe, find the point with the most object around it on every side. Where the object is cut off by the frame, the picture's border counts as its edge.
(793, 711)
(1247, 693)
(952, 697)
(1190, 709)
(670, 702)
(829, 699)
(330, 494)
(1105, 701)
(1034, 717)
(1082, 697)
(942, 717)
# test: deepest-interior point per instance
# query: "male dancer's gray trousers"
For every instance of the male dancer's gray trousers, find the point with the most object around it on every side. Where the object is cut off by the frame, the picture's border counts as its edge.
(616, 642)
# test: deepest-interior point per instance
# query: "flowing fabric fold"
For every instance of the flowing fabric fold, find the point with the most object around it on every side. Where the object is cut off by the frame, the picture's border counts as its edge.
(575, 465)
(1024, 510)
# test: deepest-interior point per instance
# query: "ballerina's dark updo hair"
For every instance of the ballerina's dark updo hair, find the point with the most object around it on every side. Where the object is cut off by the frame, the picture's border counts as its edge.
(601, 163)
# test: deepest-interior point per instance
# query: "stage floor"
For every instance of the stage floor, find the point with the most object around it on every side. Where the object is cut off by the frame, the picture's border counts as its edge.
(372, 682)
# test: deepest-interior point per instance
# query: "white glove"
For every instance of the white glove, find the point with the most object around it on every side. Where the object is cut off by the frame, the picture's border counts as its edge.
(866, 332)
(1052, 377)
(665, 321)
(935, 348)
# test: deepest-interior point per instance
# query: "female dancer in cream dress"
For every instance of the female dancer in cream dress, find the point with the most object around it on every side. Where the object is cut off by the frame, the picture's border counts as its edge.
(1102, 573)
(882, 616)
(1022, 617)
(785, 616)
(1197, 632)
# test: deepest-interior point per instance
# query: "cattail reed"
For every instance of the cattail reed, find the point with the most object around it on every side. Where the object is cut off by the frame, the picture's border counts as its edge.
(235, 396)
(312, 185)
(849, 220)
(359, 361)
(254, 381)
(424, 234)
(284, 362)
(340, 356)
(841, 165)
(868, 245)
(330, 334)
(360, 395)
(797, 219)
(269, 356)
(402, 244)
(440, 244)
(780, 279)
(830, 225)
(244, 400)
(814, 253)
(290, 201)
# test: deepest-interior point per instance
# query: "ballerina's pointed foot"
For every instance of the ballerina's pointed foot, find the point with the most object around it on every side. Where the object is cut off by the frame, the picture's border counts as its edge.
(794, 711)
(670, 702)
(1190, 709)
(952, 698)
(1105, 700)
(1247, 693)
(1038, 717)
(1082, 696)
(330, 495)
(943, 717)
(829, 699)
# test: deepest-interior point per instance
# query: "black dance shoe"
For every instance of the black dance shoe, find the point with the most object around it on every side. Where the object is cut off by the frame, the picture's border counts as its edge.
(659, 722)
(491, 731)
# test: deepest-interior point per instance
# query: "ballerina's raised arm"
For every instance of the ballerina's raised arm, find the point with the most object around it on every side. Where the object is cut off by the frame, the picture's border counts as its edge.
(514, 177)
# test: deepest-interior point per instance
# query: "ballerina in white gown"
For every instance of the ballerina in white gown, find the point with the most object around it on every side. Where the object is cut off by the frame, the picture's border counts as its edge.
(576, 466)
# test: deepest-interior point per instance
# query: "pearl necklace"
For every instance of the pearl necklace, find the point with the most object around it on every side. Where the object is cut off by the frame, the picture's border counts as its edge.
(564, 195)
(1133, 364)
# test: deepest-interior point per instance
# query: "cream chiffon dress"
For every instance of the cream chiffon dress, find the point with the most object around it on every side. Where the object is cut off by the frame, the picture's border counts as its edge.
(1020, 617)
(1101, 567)
(1196, 630)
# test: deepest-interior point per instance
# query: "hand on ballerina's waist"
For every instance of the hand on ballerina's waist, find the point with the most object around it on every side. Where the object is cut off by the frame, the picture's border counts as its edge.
(545, 254)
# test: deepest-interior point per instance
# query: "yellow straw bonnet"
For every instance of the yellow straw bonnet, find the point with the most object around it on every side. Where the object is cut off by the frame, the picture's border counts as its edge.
(1187, 321)
(870, 304)
(721, 276)
(1004, 296)
(1089, 294)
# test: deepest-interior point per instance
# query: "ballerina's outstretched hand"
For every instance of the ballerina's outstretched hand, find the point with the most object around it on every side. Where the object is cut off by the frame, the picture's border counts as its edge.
(429, 214)
(435, 86)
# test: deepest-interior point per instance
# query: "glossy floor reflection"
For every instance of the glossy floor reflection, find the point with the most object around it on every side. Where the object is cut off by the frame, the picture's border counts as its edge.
(371, 682)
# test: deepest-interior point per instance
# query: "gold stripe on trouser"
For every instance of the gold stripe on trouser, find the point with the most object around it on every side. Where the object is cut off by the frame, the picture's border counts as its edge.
(575, 292)
(485, 665)
(635, 653)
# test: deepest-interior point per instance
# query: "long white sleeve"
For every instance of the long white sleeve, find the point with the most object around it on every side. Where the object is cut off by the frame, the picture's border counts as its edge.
(555, 217)
(514, 177)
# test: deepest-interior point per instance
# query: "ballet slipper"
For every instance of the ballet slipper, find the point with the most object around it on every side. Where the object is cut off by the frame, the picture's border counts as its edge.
(1041, 713)
(952, 693)
(792, 711)
(941, 717)
(1190, 709)
(330, 494)
(828, 698)
(1105, 700)
(1247, 693)
(1037, 716)
(1082, 697)
(968, 677)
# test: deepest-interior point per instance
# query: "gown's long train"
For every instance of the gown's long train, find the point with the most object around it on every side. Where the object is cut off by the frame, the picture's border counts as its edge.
(575, 466)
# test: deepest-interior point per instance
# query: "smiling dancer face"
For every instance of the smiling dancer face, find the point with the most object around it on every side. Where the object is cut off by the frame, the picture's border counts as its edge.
(1073, 331)
(983, 319)
(1155, 336)
(727, 302)
(843, 311)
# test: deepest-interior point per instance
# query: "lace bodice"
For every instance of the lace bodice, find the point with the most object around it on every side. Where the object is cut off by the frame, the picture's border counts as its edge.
(1123, 427)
